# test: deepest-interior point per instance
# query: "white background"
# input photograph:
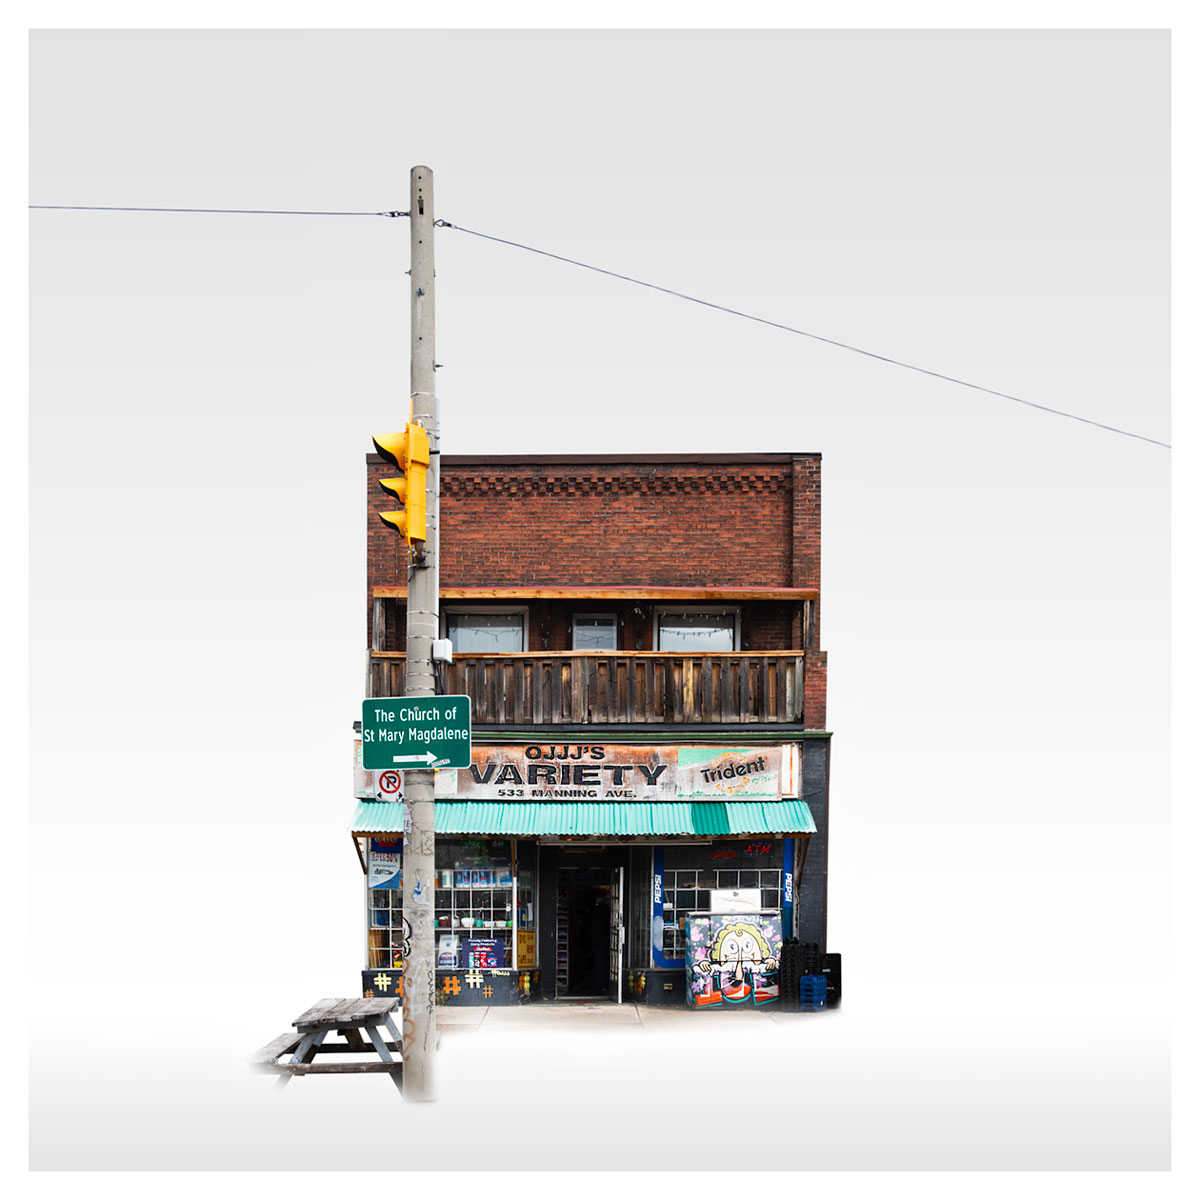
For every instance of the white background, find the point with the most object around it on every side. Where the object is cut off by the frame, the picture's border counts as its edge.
(991, 205)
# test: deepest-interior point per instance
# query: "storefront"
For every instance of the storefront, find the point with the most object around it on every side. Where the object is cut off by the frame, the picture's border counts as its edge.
(663, 874)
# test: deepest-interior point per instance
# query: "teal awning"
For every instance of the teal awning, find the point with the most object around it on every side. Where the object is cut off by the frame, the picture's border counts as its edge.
(681, 818)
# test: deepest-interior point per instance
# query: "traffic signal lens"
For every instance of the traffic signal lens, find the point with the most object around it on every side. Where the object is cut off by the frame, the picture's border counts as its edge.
(409, 451)
(392, 446)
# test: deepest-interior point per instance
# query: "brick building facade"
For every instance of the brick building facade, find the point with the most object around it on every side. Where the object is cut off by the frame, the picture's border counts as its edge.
(618, 611)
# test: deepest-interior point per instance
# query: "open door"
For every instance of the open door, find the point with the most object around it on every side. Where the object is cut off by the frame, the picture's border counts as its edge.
(616, 935)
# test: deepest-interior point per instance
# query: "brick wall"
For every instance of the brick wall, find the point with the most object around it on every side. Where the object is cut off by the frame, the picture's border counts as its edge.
(815, 674)
(806, 532)
(576, 524)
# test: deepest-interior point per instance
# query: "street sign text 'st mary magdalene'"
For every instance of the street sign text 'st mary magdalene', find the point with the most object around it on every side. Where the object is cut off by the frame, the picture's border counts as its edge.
(420, 732)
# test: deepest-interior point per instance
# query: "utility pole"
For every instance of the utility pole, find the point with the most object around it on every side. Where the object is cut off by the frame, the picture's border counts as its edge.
(419, 1035)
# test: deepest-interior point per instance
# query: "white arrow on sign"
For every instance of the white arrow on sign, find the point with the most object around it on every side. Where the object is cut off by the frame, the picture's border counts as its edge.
(425, 758)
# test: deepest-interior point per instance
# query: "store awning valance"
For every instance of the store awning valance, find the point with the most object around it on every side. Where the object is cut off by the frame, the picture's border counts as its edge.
(710, 818)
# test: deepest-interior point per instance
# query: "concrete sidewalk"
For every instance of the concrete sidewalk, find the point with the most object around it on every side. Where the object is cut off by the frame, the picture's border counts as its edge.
(550, 1015)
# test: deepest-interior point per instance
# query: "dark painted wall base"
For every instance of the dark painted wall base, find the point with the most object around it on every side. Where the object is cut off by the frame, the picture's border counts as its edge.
(459, 987)
(382, 983)
(463, 987)
(655, 986)
(640, 986)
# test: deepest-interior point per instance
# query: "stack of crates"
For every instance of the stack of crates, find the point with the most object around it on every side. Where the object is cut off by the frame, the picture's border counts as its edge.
(796, 961)
(812, 993)
(789, 997)
(809, 981)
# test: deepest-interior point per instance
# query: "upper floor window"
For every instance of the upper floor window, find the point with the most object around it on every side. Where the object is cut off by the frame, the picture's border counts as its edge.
(696, 630)
(594, 631)
(487, 631)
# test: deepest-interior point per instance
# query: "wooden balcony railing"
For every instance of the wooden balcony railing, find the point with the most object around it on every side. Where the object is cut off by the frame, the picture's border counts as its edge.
(594, 687)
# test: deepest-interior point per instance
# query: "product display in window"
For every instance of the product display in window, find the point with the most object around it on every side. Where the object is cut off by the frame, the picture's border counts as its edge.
(478, 895)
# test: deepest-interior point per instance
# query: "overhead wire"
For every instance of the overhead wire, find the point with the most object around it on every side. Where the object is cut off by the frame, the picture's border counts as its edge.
(806, 333)
(266, 212)
(896, 362)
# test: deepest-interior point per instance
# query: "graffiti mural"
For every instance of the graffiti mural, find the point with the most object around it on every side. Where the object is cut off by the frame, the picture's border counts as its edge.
(478, 986)
(382, 983)
(400, 953)
(732, 960)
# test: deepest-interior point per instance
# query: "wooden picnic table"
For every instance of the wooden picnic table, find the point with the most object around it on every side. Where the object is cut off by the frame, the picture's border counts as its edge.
(349, 1018)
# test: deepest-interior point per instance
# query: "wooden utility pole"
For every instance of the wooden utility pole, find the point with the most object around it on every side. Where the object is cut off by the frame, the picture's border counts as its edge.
(419, 1035)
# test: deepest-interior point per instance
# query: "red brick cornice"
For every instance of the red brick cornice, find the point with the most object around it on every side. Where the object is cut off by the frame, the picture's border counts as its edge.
(454, 484)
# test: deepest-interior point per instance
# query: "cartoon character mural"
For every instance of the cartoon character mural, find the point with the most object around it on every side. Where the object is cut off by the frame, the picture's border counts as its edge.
(733, 959)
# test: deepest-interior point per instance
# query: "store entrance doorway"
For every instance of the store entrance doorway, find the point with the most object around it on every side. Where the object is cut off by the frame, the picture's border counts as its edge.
(588, 951)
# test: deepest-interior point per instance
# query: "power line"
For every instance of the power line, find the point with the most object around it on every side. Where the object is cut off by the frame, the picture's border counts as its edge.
(804, 333)
(1058, 412)
(266, 212)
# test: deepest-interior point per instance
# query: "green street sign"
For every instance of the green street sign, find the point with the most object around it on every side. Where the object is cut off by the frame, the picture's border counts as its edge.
(416, 734)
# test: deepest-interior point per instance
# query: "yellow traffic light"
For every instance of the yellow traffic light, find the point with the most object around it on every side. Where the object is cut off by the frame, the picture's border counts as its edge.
(409, 451)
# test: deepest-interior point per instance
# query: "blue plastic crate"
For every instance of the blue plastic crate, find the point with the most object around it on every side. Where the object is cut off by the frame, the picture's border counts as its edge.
(812, 993)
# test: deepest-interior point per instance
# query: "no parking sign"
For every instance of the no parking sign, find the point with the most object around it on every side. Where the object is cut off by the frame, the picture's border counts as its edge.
(385, 784)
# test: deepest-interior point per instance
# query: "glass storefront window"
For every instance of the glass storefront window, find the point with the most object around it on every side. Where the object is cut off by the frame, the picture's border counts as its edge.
(692, 873)
(386, 935)
(476, 895)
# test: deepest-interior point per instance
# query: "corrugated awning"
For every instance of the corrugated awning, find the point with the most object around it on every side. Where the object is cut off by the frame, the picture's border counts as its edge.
(709, 818)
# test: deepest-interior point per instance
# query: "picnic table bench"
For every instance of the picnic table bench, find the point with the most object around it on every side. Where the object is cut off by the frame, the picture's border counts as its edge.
(349, 1018)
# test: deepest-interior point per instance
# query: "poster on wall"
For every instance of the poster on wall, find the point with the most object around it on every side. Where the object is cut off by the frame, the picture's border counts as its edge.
(383, 864)
(447, 950)
(594, 771)
(526, 948)
(482, 952)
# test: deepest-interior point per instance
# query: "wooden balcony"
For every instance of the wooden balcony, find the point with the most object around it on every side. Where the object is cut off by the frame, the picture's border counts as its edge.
(596, 687)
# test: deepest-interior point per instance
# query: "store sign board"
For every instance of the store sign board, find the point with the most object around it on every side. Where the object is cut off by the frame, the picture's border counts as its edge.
(526, 948)
(482, 952)
(416, 733)
(581, 771)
